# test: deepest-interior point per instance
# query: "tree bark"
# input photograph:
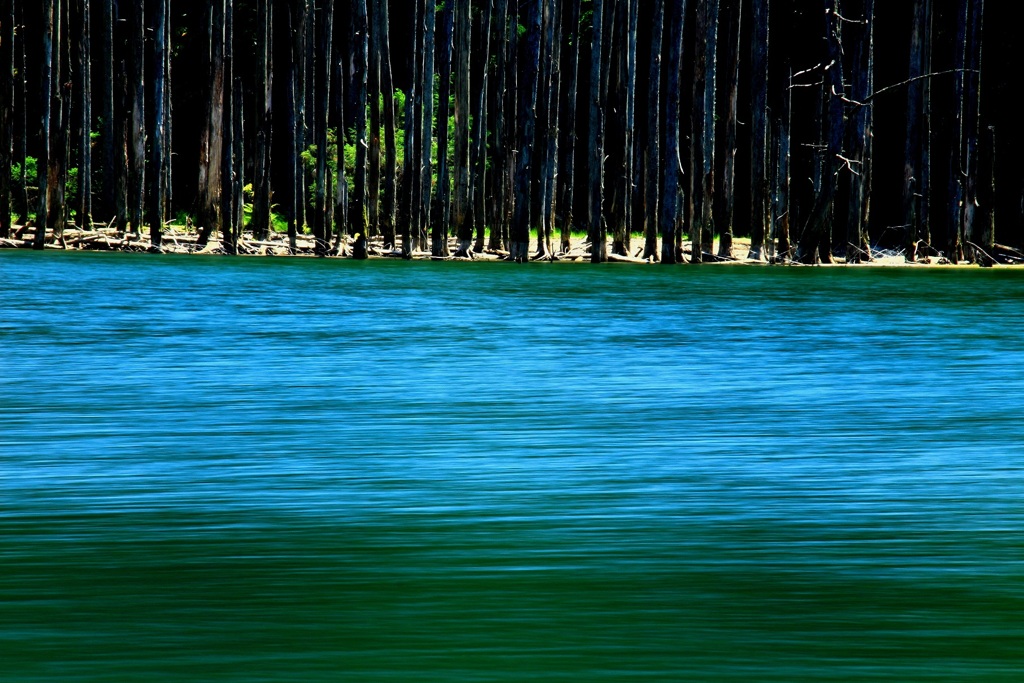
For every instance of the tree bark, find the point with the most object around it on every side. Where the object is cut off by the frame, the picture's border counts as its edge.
(84, 86)
(359, 223)
(440, 214)
(137, 136)
(725, 197)
(595, 141)
(567, 147)
(672, 166)
(529, 62)
(159, 152)
(211, 138)
(6, 112)
(45, 90)
(264, 119)
(322, 98)
(652, 174)
(500, 132)
(390, 184)
(758, 128)
(57, 161)
(914, 196)
(462, 213)
(860, 44)
(972, 120)
(703, 143)
(813, 238)
(227, 160)
(478, 151)
(427, 118)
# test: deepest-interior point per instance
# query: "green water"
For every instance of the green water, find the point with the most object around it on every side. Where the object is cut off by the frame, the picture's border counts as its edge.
(218, 469)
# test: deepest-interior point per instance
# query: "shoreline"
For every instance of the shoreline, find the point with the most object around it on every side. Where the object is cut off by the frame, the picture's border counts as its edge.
(179, 240)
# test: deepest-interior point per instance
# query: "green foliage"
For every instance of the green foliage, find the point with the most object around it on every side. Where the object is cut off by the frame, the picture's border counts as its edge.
(31, 172)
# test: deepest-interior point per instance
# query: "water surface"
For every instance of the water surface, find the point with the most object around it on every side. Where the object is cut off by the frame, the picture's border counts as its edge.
(221, 469)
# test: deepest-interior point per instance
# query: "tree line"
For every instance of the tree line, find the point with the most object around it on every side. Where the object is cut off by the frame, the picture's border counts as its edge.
(507, 124)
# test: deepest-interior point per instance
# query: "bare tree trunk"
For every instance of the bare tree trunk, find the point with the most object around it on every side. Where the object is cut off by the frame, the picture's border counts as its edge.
(703, 143)
(782, 172)
(337, 183)
(595, 141)
(672, 166)
(6, 112)
(159, 197)
(322, 85)
(972, 120)
(725, 198)
(529, 62)
(227, 161)
(264, 119)
(57, 161)
(758, 129)
(463, 197)
(652, 174)
(913, 193)
(567, 148)
(84, 85)
(813, 240)
(956, 181)
(359, 223)
(860, 45)
(137, 174)
(440, 214)
(427, 118)
(478, 151)
(546, 166)
(389, 194)
(46, 88)
(211, 139)
(500, 130)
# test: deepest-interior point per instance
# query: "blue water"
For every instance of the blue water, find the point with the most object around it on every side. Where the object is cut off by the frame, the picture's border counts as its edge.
(218, 469)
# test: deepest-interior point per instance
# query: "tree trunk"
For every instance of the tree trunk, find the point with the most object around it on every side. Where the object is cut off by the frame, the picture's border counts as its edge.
(440, 214)
(652, 174)
(6, 112)
(529, 62)
(813, 240)
(359, 223)
(502, 144)
(758, 128)
(861, 47)
(84, 85)
(725, 198)
(478, 151)
(567, 170)
(427, 119)
(322, 86)
(782, 171)
(913, 195)
(463, 197)
(546, 166)
(45, 89)
(956, 180)
(703, 143)
(159, 152)
(57, 160)
(137, 136)
(972, 120)
(672, 166)
(211, 138)
(374, 144)
(264, 119)
(595, 141)
(227, 160)
(389, 193)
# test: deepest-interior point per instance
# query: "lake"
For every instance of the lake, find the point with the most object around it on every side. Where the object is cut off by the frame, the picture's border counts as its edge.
(276, 469)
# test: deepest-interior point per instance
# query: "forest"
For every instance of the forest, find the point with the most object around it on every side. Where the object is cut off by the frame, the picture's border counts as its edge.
(662, 130)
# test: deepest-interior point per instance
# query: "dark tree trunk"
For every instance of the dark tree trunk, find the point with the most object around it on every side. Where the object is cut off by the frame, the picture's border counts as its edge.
(57, 161)
(390, 185)
(46, 65)
(725, 197)
(108, 134)
(703, 143)
(212, 136)
(782, 171)
(6, 112)
(860, 46)
(546, 166)
(462, 205)
(956, 179)
(322, 86)
(426, 120)
(567, 147)
(478, 151)
(264, 119)
(616, 178)
(137, 174)
(83, 76)
(227, 160)
(159, 151)
(502, 144)
(337, 183)
(440, 214)
(813, 240)
(758, 128)
(359, 223)
(672, 166)
(529, 62)
(914, 195)
(972, 121)
(595, 141)
(652, 172)
(373, 153)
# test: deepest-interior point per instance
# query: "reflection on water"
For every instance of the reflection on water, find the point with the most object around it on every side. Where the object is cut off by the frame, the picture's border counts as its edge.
(269, 470)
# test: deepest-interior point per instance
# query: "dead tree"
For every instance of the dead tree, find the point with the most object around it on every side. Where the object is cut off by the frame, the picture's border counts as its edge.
(672, 165)
(758, 128)
(702, 177)
(725, 171)
(529, 62)
(595, 141)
